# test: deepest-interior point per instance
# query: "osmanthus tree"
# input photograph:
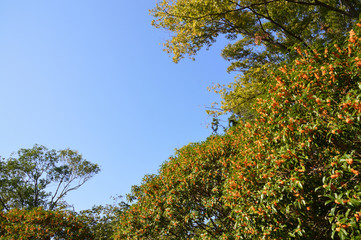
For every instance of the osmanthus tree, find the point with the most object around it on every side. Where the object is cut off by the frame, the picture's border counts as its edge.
(299, 162)
(293, 172)
(307, 138)
(261, 33)
(40, 224)
(26, 178)
(185, 200)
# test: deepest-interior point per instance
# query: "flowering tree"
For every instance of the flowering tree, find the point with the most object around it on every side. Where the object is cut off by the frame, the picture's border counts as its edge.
(185, 199)
(291, 172)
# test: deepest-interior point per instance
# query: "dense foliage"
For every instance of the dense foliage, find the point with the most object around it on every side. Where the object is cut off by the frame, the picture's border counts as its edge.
(260, 35)
(101, 219)
(40, 224)
(279, 24)
(291, 172)
(186, 198)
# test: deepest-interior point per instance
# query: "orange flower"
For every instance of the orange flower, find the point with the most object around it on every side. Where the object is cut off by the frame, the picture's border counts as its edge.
(298, 49)
(355, 172)
(348, 120)
(317, 76)
(358, 61)
(353, 37)
(326, 52)
(349, 161)
(331, 67)
(357, 217)
(284, 70)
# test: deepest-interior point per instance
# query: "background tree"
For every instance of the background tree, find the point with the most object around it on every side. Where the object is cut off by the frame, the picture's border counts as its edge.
(101, 220)
(39, 177)
(262, 33)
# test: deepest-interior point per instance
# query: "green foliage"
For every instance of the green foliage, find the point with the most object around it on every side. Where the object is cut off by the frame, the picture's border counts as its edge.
(185, 199)
(26, 178)
(261, 34)
(39, 224)
(101, 219)
(292, 172)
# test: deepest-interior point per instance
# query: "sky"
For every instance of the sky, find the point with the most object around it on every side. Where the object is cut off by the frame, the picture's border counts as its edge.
(91, 75)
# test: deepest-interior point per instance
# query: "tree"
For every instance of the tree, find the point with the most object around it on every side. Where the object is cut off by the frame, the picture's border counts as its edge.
(40, 224)
(263, 33)
(39, 177)
(101, 220)
(185, 200)
(293, 172)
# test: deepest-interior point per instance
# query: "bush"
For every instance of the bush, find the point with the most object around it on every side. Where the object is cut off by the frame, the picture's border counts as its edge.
(41, 224)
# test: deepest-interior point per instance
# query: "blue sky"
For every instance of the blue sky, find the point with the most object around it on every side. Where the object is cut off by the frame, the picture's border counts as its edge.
(91, 76)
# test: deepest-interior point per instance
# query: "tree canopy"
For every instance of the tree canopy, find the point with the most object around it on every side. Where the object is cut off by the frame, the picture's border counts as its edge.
(101, 220)
(278, 23)
(261, 34)
(293, 172)
(39, 177)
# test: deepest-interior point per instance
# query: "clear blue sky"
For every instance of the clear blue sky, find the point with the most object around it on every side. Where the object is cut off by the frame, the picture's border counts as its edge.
(91, 76)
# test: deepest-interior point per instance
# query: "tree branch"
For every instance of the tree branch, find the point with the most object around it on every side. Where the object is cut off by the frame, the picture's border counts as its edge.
(3, 204)
(268, 17)
(322, 4)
